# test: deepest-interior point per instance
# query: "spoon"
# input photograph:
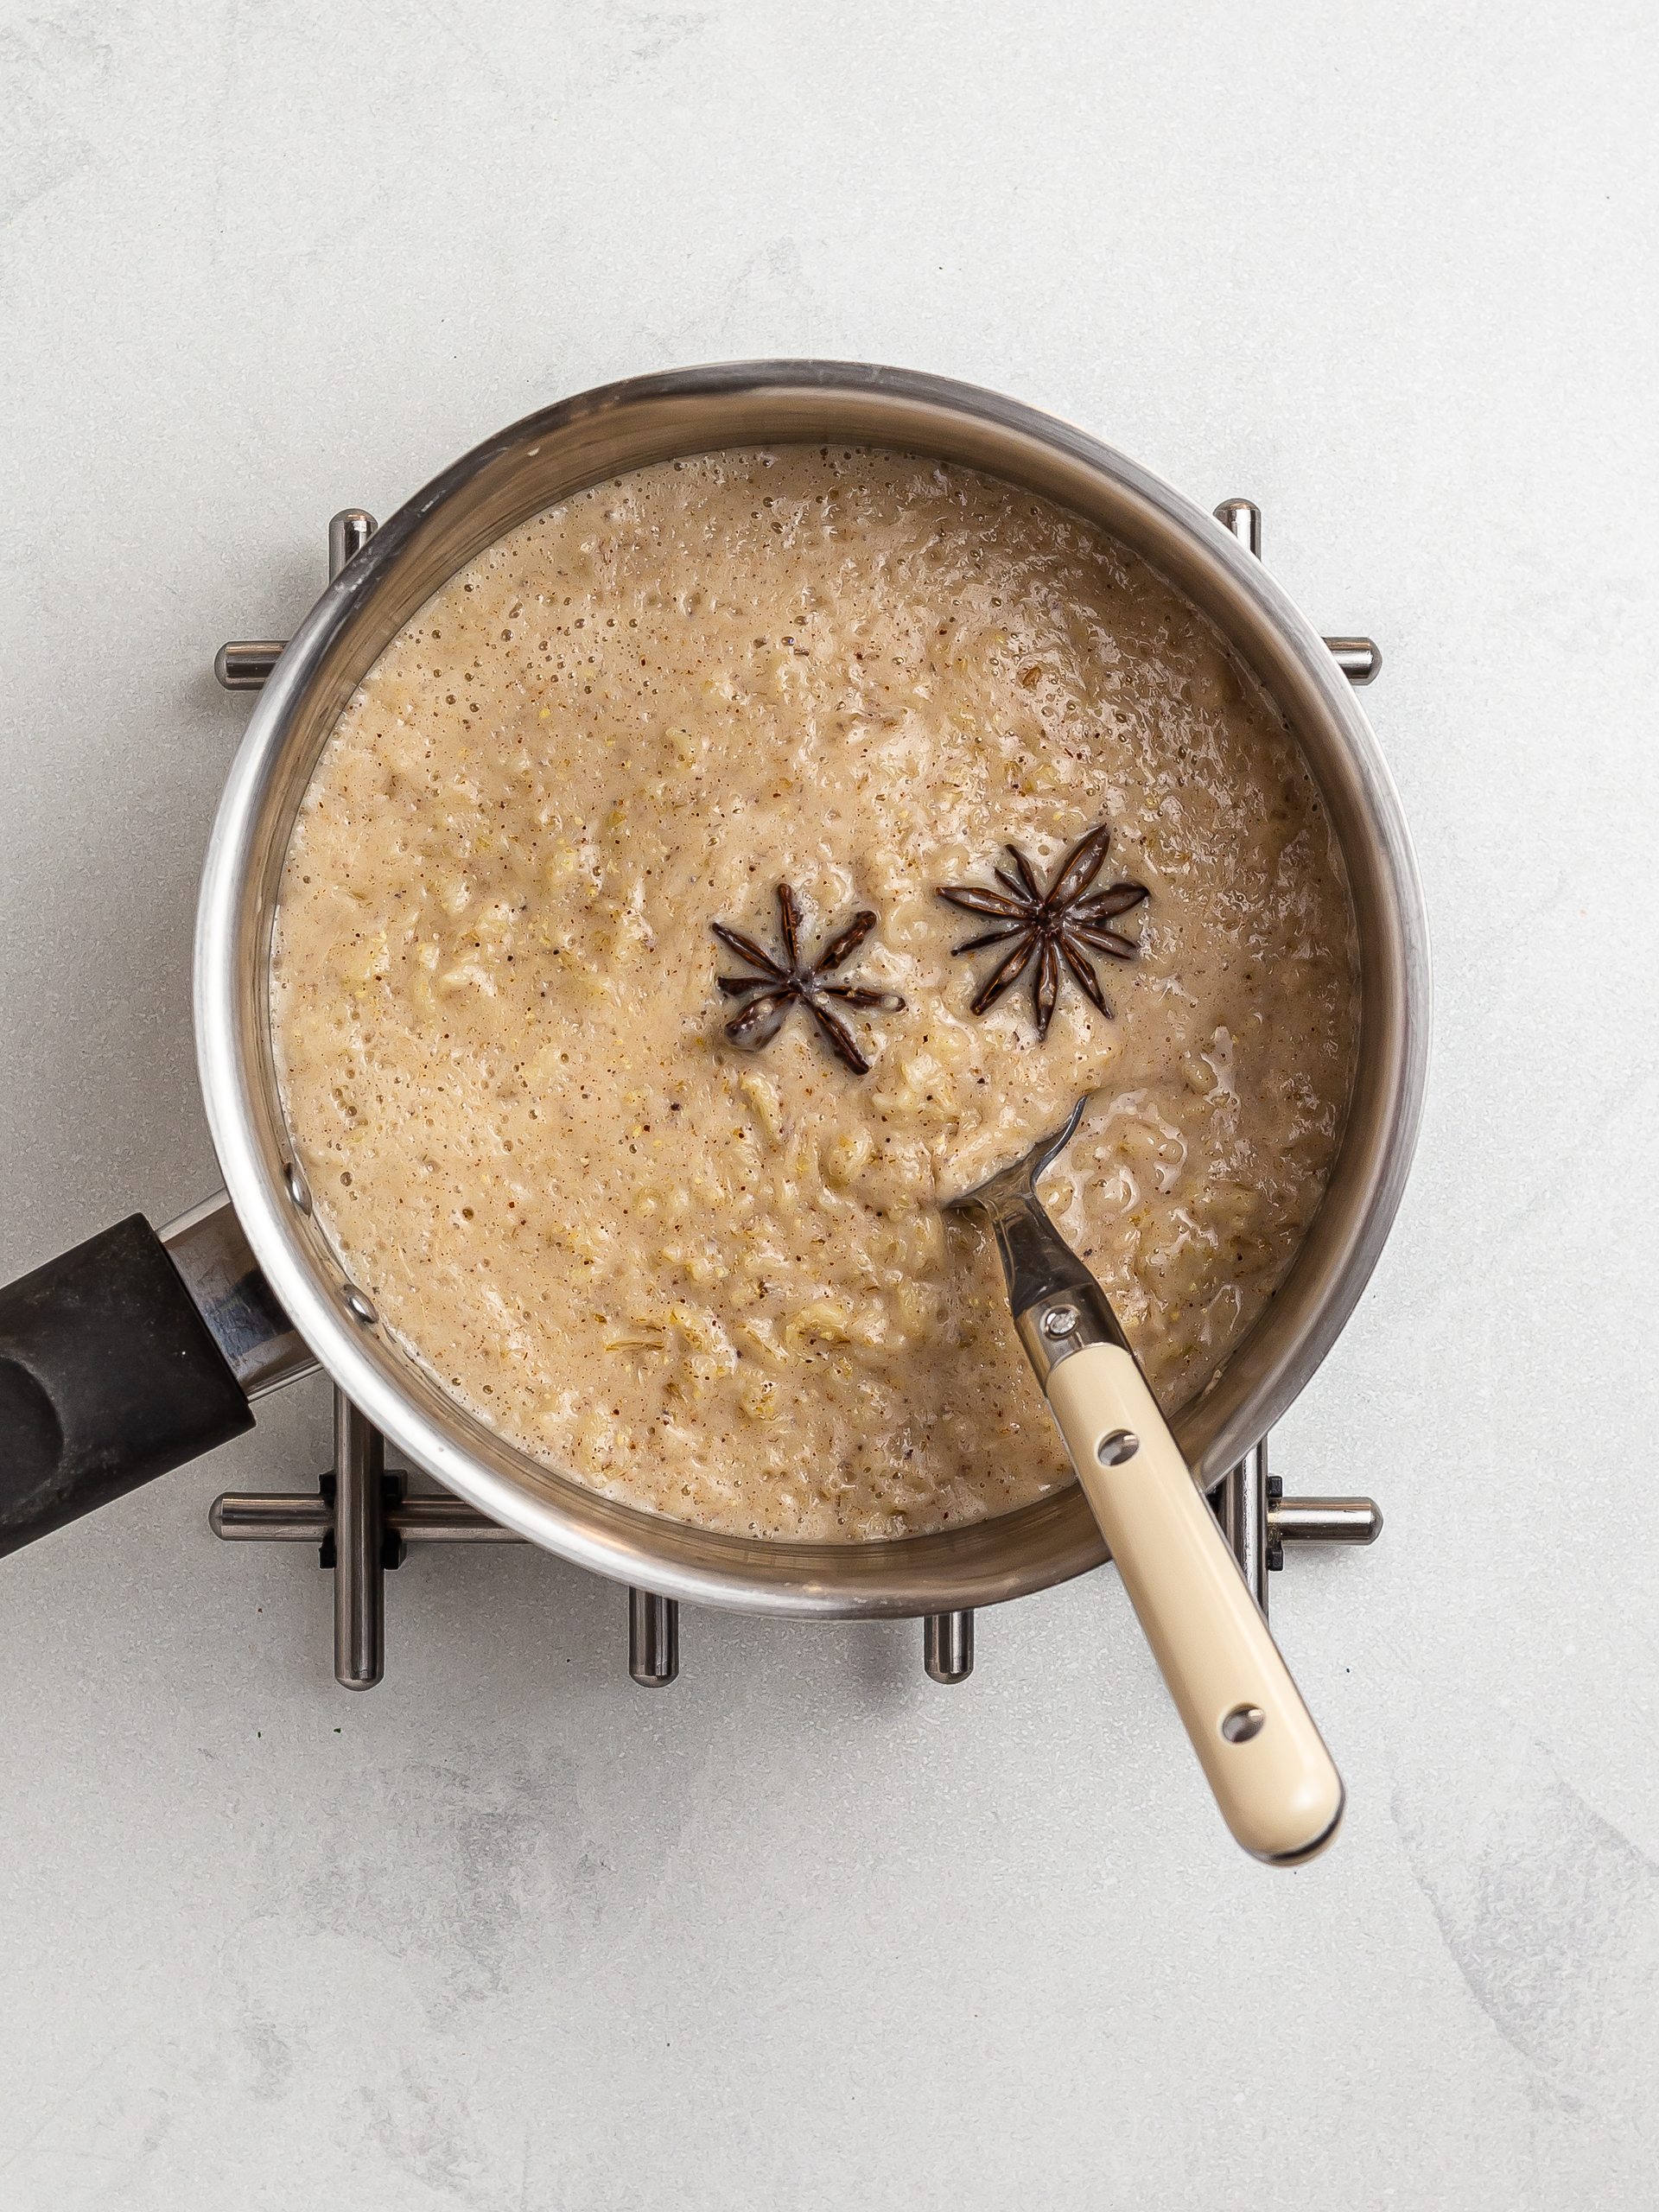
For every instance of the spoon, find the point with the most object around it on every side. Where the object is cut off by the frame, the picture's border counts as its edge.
(1273, 1778)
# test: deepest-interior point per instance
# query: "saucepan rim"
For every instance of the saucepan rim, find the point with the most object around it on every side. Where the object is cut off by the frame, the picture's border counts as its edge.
(552, 454)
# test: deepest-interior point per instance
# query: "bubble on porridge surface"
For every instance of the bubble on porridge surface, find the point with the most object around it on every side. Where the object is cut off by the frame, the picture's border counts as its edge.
(715, 1283)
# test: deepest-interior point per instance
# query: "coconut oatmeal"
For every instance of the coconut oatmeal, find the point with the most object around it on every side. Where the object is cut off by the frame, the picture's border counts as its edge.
(711, 1279)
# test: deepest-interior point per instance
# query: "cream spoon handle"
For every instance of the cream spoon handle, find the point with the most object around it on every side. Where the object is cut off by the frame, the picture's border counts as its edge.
(1273, 1778)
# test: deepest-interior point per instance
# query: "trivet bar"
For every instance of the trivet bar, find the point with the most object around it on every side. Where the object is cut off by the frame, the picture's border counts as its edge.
(360, 1548)
(947, 1647)
(255, 1518)
(1243, 519)
(349, 532)
(246, 665)
(1241, 1505)
(653, 1639)
(1320, 1521)
(1256, 1517)
(1258, 1521)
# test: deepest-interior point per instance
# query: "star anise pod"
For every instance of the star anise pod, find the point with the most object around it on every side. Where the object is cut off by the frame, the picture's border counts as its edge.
(792, 981)
(1065, 924)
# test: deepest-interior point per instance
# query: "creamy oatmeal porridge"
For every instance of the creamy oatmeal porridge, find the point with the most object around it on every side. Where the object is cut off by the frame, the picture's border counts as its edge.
(714, 1280)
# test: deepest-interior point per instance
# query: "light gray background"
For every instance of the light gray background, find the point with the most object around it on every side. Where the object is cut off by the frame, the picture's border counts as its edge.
(807, 1931)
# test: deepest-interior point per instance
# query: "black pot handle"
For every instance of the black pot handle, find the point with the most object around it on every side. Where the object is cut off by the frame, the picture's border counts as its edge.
(124, 1359)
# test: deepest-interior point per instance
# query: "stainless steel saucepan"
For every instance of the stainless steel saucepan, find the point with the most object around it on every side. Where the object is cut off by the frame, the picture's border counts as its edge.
(124, 1357)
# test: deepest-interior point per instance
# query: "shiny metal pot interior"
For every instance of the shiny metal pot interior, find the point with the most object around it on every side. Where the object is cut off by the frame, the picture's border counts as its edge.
(545, 458)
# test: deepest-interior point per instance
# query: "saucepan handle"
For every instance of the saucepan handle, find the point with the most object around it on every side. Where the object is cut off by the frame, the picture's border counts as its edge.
(1273, 1778)
(109, 1376)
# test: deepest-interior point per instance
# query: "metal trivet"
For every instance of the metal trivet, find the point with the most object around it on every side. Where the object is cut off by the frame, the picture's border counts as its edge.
(362, 1518)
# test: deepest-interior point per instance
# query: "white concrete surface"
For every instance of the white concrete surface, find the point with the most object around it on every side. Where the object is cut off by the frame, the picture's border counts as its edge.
(806, 1931)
